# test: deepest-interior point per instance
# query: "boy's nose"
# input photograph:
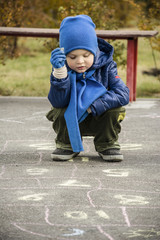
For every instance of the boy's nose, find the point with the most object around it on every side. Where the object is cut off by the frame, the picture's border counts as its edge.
(80, 59)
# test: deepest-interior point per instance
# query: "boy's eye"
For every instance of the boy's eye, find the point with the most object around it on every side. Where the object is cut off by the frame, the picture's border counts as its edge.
(72, 57)
(87, 55)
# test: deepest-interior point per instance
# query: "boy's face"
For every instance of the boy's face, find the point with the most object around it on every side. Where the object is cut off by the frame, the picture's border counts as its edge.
(80, 60)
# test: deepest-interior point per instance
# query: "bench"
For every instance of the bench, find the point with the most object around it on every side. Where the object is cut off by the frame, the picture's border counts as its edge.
(130, 36)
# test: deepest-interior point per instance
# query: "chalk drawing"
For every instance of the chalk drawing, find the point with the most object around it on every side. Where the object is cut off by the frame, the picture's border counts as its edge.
(40, 129)
(36, 171)
(104, 233)
(102, 214)
(71, 160)
(3, 171)
(74, 170)
(76, 232)
(131, 199)
(82, 215)
(131, 146)
(124, 212)
(76, 215)
(117, 172)
(145, 234)
(28, 231)
(33, 197)
(94, 190)
(73, 183)
(10, 120)
(43, 146)
(153, 115)
(85, 159)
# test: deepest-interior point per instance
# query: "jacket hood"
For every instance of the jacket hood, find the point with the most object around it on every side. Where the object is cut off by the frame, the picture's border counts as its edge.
(104, 54)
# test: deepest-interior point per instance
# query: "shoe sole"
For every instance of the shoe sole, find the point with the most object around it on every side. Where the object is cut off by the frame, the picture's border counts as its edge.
(111, 158)
(63, 157)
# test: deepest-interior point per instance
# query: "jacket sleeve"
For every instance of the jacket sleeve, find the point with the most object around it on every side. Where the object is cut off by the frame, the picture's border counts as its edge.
(59, 93)
(117, 93)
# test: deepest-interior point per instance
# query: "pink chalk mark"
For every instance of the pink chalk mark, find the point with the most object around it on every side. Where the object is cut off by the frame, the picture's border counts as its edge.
(3, 171)
(124, 212)
(47, 217)
(39, 182)
(104, 233)
(33, 233)
(89, 192)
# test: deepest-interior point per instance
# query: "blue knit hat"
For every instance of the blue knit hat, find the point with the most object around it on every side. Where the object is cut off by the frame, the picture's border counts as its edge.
(78, 33)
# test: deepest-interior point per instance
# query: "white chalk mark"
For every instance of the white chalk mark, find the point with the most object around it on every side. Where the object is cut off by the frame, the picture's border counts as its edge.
(131, 199)
(116, 172)
(40, 129)
(10, 120)
(39, 113)
(102, 214)
(131, 146)
(76, 232)
(70, 160)
(42, 146)
(124, 212)
(143, 233)
(33, 197)
(73, 183)
(37, 171)
(76, 215)
(104, 233)
(85, 159)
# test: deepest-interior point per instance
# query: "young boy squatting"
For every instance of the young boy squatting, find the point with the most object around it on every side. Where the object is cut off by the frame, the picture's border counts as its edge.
(86, 93)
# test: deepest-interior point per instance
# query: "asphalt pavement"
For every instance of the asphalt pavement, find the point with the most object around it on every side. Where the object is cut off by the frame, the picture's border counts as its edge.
(84, 198)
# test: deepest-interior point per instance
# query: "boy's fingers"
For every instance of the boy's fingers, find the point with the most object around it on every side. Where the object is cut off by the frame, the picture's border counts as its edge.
(58, 57)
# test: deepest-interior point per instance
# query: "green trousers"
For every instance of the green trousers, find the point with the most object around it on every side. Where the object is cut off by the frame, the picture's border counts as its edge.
(104, 128)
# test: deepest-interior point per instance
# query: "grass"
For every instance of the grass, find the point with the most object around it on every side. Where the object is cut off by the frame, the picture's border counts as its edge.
(29, 74)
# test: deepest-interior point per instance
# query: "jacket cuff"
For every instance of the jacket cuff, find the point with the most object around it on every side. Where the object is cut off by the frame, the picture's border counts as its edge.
(60, 73)
(97, 107)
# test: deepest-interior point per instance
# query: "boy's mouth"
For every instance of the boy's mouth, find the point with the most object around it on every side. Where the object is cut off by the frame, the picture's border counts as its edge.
(81, 68)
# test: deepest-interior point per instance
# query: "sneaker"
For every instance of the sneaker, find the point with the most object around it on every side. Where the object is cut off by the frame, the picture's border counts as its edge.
(62, 154)
(111, 155)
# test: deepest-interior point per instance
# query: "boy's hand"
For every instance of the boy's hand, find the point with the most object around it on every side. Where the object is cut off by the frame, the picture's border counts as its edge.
(57, 58)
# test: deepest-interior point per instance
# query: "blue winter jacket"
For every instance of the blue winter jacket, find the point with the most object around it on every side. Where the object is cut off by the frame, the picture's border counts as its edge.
(106, 73)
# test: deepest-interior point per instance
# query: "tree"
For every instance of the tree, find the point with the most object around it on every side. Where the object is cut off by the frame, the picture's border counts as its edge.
(148, 13)
(20, 13)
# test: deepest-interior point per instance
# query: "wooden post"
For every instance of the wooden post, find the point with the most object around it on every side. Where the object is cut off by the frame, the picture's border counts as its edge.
(132, 67)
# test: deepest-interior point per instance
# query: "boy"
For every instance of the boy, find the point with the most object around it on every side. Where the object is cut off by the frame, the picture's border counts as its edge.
(86, 93)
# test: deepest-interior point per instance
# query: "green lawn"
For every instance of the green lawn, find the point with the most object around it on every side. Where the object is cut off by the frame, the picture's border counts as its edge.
(29, 74)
